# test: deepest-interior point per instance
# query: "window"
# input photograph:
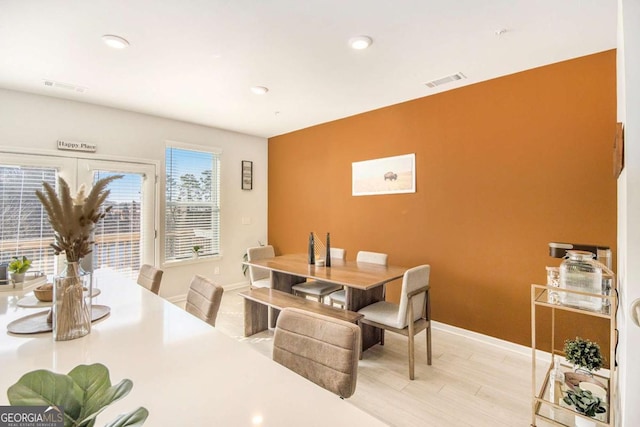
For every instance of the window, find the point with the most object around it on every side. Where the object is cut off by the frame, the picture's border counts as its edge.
(118, 236)
(24, 227)
(192, 215)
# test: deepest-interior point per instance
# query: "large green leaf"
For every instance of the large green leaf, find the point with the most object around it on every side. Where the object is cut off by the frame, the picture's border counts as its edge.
(83, 394)
(98, 393)
(133, 419)
(45, 388)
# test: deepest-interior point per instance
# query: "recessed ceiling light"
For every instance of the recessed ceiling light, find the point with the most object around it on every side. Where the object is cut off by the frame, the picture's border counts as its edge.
(115, 42)
(360, 42)
(259, 90)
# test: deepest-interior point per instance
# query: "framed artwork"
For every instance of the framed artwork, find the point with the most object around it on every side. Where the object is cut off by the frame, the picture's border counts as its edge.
(247, 175)
(618, 151)
(388, 175)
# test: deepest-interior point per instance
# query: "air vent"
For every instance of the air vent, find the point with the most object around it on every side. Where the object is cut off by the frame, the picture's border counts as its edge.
(64, 86)
(447, 79)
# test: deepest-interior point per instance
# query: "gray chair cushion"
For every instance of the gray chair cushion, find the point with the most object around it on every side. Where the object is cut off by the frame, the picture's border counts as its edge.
(320, 348)
(150, 277)
(203, 299)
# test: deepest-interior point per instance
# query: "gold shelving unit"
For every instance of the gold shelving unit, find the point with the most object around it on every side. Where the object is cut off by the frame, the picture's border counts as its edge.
(547, 401)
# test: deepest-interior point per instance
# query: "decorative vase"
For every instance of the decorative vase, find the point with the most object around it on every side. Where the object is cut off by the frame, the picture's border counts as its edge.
(71, 303)
(311, 258)
(581, 422)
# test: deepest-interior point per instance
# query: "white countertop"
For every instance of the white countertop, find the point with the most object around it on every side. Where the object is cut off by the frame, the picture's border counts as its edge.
(184, 371)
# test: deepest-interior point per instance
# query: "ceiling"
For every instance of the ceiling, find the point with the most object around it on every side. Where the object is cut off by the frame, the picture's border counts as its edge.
(195, 60)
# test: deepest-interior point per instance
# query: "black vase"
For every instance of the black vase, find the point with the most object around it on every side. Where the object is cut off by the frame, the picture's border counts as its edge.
(312, 256)
(328, 255)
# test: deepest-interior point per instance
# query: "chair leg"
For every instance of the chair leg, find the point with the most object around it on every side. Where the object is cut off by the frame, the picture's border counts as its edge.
(429, 344)
(411, 357)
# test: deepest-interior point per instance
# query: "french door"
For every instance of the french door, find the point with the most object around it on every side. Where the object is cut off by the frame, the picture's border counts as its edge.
(125, 238)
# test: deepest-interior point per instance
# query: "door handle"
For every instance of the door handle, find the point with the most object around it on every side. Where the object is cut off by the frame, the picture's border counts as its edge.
(635, 312)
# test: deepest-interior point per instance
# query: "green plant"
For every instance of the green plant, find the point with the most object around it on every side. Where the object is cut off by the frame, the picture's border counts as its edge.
(84, 393)
(19, 265)
(583, 354)
(584, 401)
(196, 249)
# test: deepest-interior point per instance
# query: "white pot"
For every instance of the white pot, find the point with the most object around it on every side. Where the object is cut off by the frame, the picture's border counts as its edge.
(17, 277)
(581, 422)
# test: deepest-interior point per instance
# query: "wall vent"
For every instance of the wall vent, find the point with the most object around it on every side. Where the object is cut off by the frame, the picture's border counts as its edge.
(64, 86)
(447, 79)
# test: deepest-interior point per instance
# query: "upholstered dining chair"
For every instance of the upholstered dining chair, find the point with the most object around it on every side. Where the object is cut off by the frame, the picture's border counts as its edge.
(259, 277)
(408, 318)
(339, 297)
(150, 277)
(317, 288)
(203, 299)
(322, 349)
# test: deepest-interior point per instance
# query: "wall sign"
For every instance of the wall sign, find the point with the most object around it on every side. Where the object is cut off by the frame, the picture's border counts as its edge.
(247, 175)
(77, 146)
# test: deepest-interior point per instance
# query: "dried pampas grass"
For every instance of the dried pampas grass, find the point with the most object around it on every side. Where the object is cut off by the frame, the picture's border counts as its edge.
(73, 219)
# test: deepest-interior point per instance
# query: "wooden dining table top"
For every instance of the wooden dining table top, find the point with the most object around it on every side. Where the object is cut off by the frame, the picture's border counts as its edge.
(359, 275)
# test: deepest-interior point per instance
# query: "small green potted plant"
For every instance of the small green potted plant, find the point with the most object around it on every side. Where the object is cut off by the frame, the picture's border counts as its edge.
(585, 355)
(18, 267)
(584, 403)
(196, 251)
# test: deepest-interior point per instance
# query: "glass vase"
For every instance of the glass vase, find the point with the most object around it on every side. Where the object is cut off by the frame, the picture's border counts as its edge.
(579, 272)
(71, 303)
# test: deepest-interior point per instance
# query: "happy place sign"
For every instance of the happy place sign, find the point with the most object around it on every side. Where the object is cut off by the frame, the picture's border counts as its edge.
(76, 146)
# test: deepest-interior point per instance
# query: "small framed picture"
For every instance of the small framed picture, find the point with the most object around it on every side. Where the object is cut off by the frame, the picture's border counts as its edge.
(247, 175)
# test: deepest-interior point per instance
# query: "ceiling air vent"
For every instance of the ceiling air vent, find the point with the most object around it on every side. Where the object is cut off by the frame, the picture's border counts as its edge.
(65, 86)
(447, 79)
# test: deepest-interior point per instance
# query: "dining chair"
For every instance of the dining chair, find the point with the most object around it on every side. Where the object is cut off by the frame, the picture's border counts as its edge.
(322, 349)
(260, 277)
(408, 318)
(318, 288)
(340, 297)
(150, 277)
(203, 299)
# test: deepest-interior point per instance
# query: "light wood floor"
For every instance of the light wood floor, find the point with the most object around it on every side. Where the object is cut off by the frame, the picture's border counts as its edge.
(470, 383)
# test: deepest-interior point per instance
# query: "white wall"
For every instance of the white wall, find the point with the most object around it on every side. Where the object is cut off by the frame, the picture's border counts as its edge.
(629, 210)
(34, 123)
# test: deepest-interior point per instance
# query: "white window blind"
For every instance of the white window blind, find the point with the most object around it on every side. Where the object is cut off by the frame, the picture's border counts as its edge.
(192, 203)
(24, 227)
(118, 236)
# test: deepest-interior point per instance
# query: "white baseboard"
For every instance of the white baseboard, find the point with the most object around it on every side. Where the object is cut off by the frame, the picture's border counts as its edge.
(486, 339)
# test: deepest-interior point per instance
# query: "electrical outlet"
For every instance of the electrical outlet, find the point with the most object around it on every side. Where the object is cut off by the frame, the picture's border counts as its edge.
(216, 270)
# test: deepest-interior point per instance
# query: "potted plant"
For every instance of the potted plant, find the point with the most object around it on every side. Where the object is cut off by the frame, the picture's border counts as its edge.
(584, 403)
(83, 394)
(585, 355)
(196, 251)
(18, 267)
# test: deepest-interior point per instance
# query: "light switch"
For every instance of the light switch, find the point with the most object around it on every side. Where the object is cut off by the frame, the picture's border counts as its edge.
(246, 220)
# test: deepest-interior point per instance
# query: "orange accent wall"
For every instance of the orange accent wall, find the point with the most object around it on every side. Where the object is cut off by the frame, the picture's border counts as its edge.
(503, 167)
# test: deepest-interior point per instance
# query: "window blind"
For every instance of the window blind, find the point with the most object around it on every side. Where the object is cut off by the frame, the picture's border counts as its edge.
(118, 236)
(24, 227)
(192, 216)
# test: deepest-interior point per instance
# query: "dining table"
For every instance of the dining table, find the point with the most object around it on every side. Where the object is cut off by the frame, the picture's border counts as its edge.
(363, 282)
(184, 371)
